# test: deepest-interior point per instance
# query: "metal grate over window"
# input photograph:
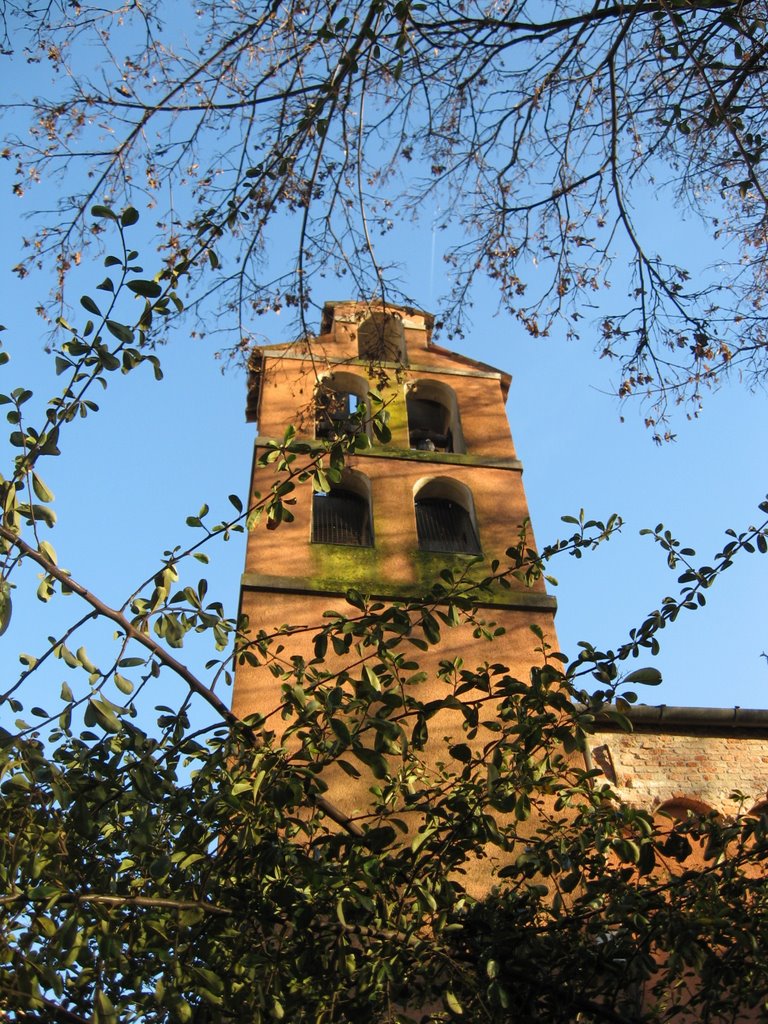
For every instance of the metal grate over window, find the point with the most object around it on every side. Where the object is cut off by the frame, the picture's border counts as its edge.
(444, 525)
(341, 517)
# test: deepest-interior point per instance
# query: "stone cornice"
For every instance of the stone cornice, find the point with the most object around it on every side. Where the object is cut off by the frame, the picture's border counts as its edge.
(513, 599)
(412, 455)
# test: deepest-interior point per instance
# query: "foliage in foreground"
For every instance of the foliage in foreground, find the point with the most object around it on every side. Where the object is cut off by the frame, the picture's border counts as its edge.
(158, 870)
(169, 877)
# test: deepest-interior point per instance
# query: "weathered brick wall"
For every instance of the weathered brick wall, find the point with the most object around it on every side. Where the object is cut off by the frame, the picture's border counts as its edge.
(702, 761)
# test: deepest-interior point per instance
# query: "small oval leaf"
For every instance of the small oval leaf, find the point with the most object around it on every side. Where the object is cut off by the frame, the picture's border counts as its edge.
(646, 676)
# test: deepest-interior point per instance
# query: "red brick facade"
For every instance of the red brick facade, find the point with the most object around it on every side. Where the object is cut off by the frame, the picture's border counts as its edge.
(700, 755)
(697, 755)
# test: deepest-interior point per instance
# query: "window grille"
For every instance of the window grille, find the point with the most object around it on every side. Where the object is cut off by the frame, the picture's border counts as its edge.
(444, 525)
(341, 517)
(429, 425)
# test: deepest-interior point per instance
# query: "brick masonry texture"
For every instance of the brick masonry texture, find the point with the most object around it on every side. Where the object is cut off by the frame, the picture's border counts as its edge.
(648, 769)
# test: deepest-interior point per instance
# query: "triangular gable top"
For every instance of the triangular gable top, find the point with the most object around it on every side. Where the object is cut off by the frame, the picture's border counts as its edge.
(338, 342)
(418, 325)
(446, 356)
(300, 348)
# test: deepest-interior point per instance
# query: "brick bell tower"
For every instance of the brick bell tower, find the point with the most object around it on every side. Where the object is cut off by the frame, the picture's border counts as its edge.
(444, 490)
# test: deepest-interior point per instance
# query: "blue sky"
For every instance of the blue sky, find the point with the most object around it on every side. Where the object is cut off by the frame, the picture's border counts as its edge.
(127, 481)
(578, 453)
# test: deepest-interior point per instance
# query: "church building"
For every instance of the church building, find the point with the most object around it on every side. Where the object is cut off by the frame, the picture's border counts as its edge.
(443, 487)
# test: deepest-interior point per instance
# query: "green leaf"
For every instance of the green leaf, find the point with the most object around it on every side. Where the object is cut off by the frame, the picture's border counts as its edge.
(373, 760)
(156, 368)
(160, 867)
(103, 213)
(6, 607)
(378, 839)
(452, 1003)
(320, 643)
(103, 1010)
(418, 840)
(341, 730)
(129, 216)
(87, 303)
(67, 656)
(47, 550)
(124, 685)
(40, 513)
(431, 627)
(461, 752)
(147, 289)
(85, 661)
(49, 443)
(371, 678)
(523, 807)
(120, 331)
(109, 362)
(104, 715)
(646, 676)
(40, 489)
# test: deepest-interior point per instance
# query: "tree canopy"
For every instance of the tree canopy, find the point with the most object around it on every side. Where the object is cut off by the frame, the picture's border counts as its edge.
(531, 135)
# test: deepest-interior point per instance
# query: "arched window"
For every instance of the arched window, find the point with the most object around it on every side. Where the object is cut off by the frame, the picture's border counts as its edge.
(339, 397)
(445, 518)
(680, 808)
(380, 338)
(433, 417)
(760, 809)
(342, 515)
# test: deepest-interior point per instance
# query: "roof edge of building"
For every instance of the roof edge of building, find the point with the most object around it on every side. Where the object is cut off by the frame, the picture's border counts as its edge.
(666, 716)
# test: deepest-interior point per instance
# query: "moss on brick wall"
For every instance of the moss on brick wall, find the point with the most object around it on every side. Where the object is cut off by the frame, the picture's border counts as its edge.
(333, 562)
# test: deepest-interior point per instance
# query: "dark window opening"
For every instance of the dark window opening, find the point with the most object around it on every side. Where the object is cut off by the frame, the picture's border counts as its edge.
(429, 425)
(341, 517)
(335, 412)
(444, 525)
